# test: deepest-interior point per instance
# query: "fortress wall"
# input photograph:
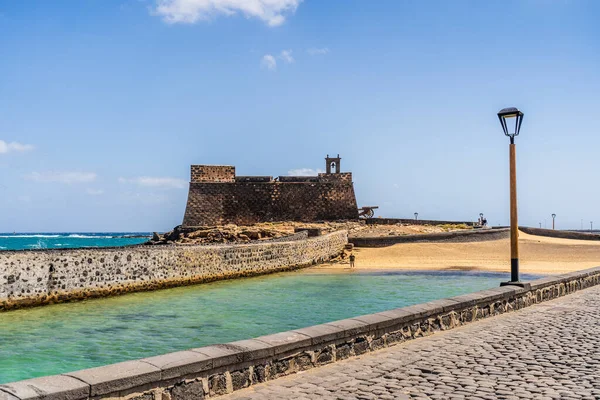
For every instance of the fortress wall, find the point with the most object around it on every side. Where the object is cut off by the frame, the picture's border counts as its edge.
(212, 173)
(246, 202)
(36, 277)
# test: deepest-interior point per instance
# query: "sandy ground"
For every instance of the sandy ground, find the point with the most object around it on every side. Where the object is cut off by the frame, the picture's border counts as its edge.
(538, 254)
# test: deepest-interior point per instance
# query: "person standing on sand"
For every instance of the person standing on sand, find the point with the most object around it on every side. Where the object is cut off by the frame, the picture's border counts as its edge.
(352, 257)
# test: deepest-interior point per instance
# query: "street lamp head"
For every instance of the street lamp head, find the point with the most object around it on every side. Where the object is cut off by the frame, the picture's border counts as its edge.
(510, 117)
(553, 216)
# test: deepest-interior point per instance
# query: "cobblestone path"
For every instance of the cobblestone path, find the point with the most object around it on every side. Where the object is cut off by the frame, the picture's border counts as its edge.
(547, 351)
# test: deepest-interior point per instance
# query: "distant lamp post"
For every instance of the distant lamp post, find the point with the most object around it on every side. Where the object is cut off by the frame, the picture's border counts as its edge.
(416, 216)
(591, 226)
(553, 218)
(540, 225)
(511, 119)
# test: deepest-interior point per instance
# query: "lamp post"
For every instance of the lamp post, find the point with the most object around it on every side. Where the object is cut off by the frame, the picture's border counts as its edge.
(540, 225)
(416, 216)
(510, 117)
(591, 226)
(553, 217)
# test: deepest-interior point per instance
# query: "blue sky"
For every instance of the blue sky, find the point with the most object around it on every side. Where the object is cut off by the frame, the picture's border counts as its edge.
(104, 104)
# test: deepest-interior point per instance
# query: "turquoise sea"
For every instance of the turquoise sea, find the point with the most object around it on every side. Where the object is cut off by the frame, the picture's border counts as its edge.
(67, 337)
(28, 241)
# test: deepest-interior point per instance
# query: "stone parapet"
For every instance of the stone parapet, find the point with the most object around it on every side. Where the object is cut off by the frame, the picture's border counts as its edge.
(211, 371)
(36, 277)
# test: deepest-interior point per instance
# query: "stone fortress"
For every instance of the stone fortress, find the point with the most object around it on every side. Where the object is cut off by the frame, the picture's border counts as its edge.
(218, 197)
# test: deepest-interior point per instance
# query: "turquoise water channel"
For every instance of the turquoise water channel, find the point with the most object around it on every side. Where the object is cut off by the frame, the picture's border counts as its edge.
(67, 337)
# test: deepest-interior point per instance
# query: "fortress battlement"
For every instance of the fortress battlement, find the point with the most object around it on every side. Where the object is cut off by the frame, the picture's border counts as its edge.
(218, 197)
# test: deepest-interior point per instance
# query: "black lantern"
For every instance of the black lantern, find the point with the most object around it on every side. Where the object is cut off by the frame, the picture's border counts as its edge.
(511, 119)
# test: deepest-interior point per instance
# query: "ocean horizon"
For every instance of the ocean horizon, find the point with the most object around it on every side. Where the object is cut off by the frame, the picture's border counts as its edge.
(69, 240)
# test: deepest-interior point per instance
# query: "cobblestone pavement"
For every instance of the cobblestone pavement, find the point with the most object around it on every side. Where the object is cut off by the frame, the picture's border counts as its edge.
(547, 351)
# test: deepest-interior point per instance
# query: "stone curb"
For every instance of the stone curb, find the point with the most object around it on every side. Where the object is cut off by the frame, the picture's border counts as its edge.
(214, 370)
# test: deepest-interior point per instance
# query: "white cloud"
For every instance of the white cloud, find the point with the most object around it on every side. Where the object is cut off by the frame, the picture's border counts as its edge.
(94, 192)
(315, 51)
(268, 62)
(149, 181)
(61, 177)
(14, 146)
(304, 172)
(272, 12)
(286, 56)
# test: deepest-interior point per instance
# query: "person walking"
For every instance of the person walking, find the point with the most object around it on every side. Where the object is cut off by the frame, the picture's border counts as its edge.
(352, 258)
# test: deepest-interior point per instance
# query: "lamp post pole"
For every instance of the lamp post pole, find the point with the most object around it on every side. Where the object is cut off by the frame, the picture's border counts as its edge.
(514, 220)
(553, 217)
(416, 216)
(540, 225)
(591, 226)
(506, 116)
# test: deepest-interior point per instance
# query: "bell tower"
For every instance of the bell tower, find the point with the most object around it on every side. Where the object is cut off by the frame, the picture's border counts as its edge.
(332, 164)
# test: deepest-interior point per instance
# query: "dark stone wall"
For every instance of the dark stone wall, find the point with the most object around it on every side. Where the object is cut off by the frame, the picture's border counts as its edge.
(328, 197)
(471, 235)
(559, 234)
(393, 221)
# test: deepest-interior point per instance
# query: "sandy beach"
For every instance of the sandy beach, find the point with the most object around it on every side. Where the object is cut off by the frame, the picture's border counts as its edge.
(538, 255)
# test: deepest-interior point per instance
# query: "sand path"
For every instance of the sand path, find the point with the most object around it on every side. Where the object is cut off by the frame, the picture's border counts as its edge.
(542, 255)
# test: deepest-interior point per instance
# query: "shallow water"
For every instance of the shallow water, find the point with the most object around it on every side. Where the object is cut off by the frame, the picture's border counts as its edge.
(67, 337)
(29, 241)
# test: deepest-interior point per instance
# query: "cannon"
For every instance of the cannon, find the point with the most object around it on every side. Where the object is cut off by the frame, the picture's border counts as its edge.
(367, 211)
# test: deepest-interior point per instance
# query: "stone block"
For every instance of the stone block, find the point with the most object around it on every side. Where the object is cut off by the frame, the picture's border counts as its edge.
(377, 321)
(254, 349)
(507, 292)
(6, 396)
(351, 327)
(222, 354)
(180, 364)
(118, 377)
(419, 310)
(322, 333)
(187, 391)
(401, 315)
(56, 387)
(286, 341)
(438, 306)
(543, 282)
